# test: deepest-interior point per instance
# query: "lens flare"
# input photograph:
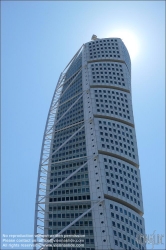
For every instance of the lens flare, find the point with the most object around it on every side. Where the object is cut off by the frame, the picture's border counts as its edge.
(130, 40)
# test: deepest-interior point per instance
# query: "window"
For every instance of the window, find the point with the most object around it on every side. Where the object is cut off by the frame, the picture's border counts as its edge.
(116, 242)
(119, 234)
(113, 224)
(121, 245)
(115, 233)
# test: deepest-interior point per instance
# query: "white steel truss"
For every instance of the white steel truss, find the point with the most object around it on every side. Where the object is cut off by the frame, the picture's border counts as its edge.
(66, 112)
(43, 191)
(64, 143)
(45, 158)
(72, 223)
(67, 178)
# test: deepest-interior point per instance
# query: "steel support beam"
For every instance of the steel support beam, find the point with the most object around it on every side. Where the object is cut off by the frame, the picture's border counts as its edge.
(46, 148)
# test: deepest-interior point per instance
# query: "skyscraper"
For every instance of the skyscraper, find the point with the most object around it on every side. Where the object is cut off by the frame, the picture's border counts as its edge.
(89, 189)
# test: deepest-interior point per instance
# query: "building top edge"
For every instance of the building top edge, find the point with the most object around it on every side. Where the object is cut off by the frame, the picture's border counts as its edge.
(100, 39)
(110, 45)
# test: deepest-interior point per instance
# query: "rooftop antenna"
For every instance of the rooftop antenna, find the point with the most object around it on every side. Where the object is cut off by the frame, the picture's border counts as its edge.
(94, 37)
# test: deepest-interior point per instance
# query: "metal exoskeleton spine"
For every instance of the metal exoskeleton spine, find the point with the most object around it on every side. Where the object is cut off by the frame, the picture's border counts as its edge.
(46, 154)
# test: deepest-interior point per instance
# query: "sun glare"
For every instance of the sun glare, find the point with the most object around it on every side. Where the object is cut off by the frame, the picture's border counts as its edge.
(130, 41)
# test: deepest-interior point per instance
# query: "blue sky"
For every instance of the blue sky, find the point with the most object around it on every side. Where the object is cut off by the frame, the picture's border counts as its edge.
(38, 39)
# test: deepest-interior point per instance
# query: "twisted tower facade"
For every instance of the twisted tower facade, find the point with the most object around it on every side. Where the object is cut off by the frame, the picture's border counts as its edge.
(89, 179)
